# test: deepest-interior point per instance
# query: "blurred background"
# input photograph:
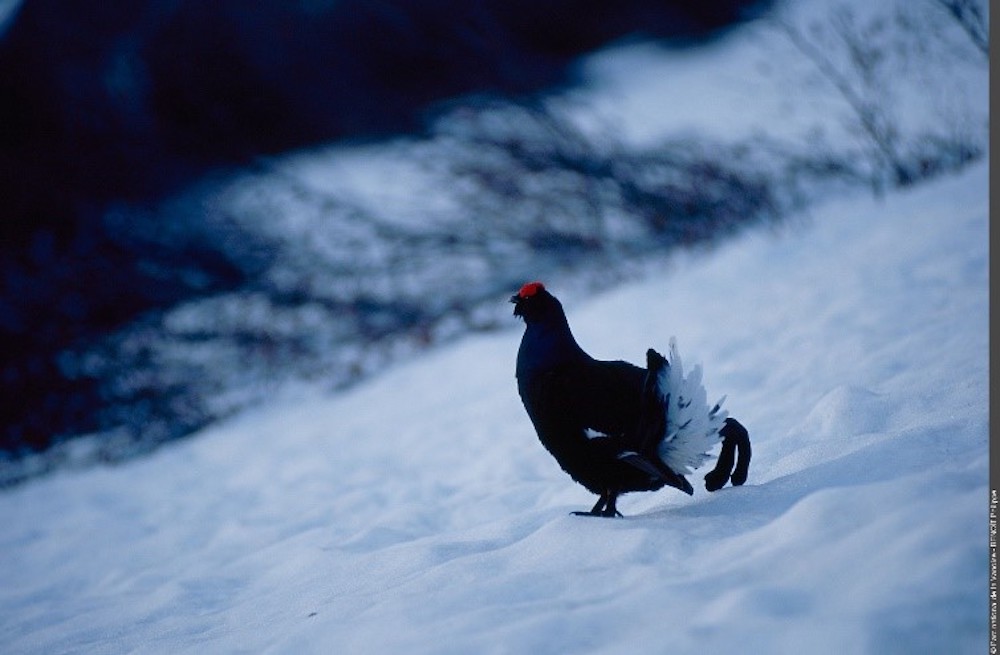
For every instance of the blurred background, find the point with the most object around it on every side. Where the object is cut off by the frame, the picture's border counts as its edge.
(207, 202)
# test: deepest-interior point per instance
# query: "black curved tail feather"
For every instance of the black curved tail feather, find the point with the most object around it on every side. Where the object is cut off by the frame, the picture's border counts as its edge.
(735, 449)
(652, 419)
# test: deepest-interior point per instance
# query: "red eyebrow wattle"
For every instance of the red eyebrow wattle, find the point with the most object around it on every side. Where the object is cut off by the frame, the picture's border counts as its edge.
(530, 289)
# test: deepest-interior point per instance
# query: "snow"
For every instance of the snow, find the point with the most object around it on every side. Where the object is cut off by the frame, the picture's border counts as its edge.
(926, 76)
(418, 513)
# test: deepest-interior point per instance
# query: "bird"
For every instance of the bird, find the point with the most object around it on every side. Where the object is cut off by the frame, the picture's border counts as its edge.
(615, 427)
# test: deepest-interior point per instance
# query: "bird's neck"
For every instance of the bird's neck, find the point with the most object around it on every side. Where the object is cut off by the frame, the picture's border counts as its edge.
(547, 344)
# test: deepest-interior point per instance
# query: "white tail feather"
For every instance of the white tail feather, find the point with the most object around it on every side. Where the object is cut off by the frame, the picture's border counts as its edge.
(692, 426)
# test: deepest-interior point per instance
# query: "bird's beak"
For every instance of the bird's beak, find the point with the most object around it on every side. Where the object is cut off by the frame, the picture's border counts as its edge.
(517, 300)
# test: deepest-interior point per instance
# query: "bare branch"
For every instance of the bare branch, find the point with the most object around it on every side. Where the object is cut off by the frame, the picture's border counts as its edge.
(970, 18)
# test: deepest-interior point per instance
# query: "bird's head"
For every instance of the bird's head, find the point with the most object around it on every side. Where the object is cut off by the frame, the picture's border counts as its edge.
(533, 302)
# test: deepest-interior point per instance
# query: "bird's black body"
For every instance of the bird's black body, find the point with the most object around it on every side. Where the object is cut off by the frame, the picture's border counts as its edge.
(600, 419)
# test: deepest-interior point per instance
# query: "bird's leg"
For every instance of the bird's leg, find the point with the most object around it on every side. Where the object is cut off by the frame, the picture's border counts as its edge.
(597, 509)
(610, 510)
(605, 506)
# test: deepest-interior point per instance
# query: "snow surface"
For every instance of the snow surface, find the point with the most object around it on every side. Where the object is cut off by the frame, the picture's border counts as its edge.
(926, 77)
(418, 513)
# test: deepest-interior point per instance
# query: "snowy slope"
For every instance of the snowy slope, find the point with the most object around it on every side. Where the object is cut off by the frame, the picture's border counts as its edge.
(925, 75)
(419, 514)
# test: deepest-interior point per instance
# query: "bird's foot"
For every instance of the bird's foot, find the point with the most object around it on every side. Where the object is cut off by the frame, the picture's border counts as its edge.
(602, 514)
(606, 506)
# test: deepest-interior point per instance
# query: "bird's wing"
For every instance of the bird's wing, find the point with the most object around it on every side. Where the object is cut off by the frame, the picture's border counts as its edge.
(592, 398)
(555, 407)
(605, 396)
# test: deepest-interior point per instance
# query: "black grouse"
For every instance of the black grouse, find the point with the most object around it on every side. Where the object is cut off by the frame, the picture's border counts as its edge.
(610, 424)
